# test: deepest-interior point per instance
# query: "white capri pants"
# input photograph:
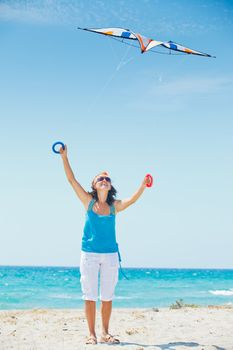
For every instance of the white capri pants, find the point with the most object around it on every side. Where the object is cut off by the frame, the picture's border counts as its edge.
(91, 264)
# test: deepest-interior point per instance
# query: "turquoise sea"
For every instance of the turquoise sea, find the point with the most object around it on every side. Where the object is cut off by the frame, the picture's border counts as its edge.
(59, 287)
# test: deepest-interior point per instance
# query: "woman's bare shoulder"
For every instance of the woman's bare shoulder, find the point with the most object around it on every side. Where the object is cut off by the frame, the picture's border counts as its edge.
(116, 204)
(89, 199)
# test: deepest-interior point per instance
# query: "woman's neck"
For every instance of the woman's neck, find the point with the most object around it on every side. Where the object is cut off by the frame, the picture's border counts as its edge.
(102, 197)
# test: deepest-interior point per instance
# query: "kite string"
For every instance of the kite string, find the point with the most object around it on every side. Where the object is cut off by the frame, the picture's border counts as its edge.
(112, 49)
(100, 92)
(106, 84)
(122, 62)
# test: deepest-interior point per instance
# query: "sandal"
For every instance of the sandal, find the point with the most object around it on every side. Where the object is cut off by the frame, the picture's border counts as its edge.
(91, 340)
(110, 339)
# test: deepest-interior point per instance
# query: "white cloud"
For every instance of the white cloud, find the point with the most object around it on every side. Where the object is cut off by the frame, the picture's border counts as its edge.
(45, 11)
(94, 13)
(103, 12)
(176, 95)
(191, 85)
(24, 13)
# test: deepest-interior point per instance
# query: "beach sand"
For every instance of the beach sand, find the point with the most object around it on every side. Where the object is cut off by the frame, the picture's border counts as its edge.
(186, 328)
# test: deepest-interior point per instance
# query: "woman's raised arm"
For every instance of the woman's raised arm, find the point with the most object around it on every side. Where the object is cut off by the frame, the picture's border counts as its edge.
(125, 203)
(84, 196)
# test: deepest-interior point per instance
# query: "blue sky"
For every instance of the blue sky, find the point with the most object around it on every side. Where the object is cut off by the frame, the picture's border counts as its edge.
(123, 112)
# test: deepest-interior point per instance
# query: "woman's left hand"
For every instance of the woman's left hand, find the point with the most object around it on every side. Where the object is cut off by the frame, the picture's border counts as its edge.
(146, 181)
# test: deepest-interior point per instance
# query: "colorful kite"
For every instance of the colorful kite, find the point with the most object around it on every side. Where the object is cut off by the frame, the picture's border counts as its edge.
(145, 44)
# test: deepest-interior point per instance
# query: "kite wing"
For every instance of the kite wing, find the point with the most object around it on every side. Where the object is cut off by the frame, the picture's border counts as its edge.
(115, 32)
(145, 43)
(177, 47)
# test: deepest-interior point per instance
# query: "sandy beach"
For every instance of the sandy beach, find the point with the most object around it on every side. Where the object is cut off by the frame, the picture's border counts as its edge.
(186, 328)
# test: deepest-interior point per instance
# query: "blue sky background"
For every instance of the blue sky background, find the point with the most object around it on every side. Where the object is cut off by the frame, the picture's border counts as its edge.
(123, 112)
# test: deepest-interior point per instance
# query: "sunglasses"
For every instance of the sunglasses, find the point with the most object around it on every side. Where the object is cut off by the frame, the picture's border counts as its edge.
(101, 178)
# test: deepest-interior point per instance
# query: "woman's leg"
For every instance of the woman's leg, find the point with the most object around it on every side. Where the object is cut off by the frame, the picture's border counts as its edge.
(90, 311)
(89, 268)
(106, 310)
(108, 280)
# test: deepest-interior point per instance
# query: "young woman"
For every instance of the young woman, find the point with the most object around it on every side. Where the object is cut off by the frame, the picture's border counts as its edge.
(99, 247)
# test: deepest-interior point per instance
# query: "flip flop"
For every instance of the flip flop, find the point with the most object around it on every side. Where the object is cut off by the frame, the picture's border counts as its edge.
(91, 340)
(110, 339)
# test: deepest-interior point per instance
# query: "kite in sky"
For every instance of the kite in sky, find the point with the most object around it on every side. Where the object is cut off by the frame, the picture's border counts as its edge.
(127, 36)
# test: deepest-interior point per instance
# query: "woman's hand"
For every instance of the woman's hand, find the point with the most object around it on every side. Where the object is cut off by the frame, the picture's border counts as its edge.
(63, 152)
(146, 181)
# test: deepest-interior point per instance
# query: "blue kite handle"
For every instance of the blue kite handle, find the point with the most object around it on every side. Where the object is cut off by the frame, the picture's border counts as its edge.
(57, 143)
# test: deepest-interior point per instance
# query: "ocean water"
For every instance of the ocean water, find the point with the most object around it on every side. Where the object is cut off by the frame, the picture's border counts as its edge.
(59, 287)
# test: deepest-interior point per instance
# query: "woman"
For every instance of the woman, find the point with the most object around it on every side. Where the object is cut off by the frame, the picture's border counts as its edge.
(99, 247)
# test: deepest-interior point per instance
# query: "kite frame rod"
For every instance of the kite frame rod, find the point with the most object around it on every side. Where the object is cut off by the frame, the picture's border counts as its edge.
(108, 35)
(151, 50)
(199, 53)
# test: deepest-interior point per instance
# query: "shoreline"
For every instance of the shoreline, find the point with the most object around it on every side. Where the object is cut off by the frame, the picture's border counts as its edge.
(160, 308)
(199, 328)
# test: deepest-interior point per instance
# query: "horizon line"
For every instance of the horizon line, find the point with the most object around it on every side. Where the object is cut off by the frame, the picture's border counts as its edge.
(126, 267)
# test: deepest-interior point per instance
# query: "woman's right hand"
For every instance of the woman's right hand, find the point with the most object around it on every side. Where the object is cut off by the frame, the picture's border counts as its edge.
(63, 152)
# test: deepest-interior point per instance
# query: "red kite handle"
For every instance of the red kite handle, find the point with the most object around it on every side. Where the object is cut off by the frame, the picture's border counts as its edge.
(151, 180)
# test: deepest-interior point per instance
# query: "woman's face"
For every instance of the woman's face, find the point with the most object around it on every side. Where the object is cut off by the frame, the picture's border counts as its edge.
(102, 182)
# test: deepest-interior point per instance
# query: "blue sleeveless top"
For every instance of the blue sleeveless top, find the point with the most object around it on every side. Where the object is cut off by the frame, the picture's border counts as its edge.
(99, 234)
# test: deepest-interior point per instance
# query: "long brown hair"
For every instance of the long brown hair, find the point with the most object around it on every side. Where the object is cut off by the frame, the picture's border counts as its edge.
(111, 193)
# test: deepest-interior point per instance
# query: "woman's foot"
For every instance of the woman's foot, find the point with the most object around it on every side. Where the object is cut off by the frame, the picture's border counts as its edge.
(110, 339)
(91, 340)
